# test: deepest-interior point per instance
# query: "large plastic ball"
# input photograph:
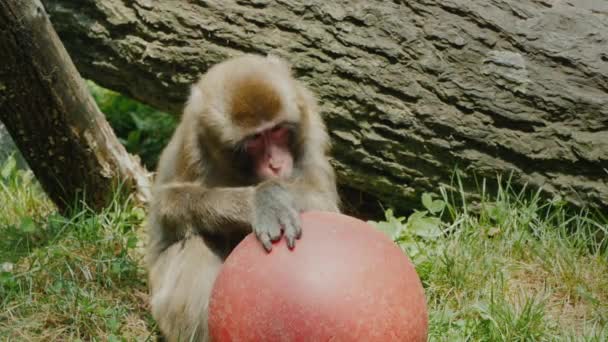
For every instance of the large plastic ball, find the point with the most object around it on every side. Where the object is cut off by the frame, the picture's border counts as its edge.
(343, 281)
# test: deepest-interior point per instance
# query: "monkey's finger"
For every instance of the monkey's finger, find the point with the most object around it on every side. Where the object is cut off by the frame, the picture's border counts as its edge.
(299, 227)
(296, 223)
(264, 239)
(275, 232)
(291, 241)
(266, 242)
(293, 230)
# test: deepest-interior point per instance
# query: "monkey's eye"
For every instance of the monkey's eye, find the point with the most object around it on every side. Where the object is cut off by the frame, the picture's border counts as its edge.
(254, 143)
(279, 133)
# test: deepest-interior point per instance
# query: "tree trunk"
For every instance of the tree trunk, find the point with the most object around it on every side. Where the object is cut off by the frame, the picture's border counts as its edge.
(409, 89)
(51, 116)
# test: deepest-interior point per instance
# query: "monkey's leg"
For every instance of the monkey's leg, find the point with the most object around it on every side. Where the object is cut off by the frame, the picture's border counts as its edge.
(181, 281)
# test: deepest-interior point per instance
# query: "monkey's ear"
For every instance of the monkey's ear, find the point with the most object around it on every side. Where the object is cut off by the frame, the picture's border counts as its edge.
(307, 104)
(278, 61)
(316, 137)
(195, 100)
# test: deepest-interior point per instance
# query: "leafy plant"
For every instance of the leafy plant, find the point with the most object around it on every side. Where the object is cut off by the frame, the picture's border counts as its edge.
(420, 229)
(507, 265)
(143, 130)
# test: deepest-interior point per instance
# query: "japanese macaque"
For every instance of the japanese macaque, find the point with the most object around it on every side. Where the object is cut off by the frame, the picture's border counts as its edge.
(249, 155)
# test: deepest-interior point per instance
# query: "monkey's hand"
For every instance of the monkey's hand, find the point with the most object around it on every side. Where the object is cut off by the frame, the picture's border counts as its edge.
(274, 209)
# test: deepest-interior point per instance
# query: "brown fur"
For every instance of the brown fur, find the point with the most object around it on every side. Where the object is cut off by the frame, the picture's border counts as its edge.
(201, 208)
(257, 100)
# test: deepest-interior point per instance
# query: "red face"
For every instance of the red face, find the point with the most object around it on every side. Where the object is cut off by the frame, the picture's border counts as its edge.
(270, 153)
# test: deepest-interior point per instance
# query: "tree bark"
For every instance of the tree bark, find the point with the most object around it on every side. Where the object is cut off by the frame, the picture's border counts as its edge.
(48, 111)
(409, 89)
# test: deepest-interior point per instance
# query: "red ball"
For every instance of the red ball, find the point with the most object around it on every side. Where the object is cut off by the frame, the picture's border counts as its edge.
(344, 281)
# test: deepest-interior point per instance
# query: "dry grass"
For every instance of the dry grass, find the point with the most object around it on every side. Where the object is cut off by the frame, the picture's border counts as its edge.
(518, 268)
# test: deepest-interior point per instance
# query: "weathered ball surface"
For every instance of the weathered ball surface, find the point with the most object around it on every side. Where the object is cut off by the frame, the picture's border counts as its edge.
(344, 281)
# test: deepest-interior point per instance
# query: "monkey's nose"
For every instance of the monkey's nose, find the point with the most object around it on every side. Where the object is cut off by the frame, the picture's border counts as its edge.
(274, 163)
(275, 166)
(275, 169)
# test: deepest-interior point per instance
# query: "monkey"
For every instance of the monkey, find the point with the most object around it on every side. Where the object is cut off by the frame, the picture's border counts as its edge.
(250, 153)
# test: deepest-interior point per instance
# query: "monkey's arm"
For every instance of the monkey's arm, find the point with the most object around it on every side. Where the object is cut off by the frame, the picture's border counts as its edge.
(183, 206)
(264, 209)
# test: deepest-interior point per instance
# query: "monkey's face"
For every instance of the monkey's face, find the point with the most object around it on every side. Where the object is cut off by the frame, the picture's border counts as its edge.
(271, 152)
(249, 113)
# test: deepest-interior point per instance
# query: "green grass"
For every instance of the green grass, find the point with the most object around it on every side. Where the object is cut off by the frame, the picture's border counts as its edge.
(143, 130)
(69, 277)
(508, 266)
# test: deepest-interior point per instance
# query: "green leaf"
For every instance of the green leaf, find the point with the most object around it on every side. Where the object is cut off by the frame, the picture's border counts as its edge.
(411, 249)
(9, 167)
(423, 226)
(134, 138)
(389, 228)
(433, 206)
(585, 294)
(27, 225)
(427, 200)
(26, 177)
(139, 213)
(114, 325)
(483, 310)
(116, 267)
(113, 338)
(415, 216)
(143, 122)
(7, 279)
(393, 226)
(131, 242)
(437, 206)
